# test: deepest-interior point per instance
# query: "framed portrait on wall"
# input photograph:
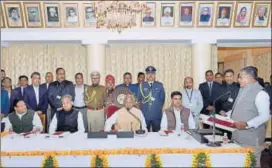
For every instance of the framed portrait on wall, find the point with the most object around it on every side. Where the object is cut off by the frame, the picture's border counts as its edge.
(148, 17)
(70, 11)
(52, 15)
(261, 14)
(242, 14)
(14, 14)
(3, 24)
(186, 14)
(89, 15)
(167, 14)
(224, 14)
(205, 15)
(33, 14)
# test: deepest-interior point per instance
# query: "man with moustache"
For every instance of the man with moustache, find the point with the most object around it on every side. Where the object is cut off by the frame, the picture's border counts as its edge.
(225, 104)
(250, 112)
(110, 84)
(58, 89)
(95, 97)
(79, 103)
(151, 97)
(48, 79)
(192, 99)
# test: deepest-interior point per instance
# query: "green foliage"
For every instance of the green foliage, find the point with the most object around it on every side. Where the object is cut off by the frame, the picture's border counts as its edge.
(98, 162)
(154, 161)
(201, 158)
(253, 161)
(49, 162)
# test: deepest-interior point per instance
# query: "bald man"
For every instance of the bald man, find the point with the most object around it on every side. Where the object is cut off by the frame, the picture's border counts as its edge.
(95, 97)
(192, 99)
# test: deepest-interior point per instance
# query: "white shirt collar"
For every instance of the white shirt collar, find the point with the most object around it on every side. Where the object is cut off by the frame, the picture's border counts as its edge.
(21, 114)
(79, 86)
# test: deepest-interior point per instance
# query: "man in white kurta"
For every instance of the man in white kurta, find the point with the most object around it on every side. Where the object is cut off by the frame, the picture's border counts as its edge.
(127, 118)
(177, 117)
(192, 99)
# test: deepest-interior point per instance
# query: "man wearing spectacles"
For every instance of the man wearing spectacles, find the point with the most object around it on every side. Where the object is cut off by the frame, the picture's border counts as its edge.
(250, 112)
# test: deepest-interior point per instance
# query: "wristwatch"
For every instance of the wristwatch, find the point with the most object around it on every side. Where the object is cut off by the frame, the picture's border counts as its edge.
(246, 126)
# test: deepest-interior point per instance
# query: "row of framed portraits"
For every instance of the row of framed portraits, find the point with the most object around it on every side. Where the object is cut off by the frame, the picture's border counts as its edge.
(202, 14)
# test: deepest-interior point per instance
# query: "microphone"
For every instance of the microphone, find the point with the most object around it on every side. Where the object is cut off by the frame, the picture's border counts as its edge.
(214, 144)
(214, 102)
(140, 131)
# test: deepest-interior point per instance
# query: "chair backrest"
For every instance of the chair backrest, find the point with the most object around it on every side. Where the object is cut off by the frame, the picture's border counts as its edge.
(111, 109)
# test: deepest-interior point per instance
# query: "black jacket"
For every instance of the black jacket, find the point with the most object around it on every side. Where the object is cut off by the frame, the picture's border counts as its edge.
(226, 102)
(207, 98)
(56, 90)
(269, 91)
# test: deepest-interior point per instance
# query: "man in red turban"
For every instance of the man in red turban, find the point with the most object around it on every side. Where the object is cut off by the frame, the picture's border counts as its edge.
(110, 83)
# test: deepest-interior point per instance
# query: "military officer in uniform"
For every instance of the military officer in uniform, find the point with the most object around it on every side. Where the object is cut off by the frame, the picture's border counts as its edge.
(95, 98)
(151, 97)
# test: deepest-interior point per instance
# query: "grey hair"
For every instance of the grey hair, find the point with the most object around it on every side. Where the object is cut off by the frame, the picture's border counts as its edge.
(95, 73)
(68, 97)
(251, 71)
(132, 97)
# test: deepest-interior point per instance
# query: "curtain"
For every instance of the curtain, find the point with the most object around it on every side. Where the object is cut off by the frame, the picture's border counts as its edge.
(214, 58)
(263, 63)
(172, 61)
(23, 59)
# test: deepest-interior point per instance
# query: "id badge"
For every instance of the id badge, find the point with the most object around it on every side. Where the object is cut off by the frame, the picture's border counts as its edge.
(153, 99)
(58, 97)
(230, 99)
(190, 104)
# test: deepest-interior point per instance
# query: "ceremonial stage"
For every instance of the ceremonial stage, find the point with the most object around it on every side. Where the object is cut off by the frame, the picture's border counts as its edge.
(75, 150)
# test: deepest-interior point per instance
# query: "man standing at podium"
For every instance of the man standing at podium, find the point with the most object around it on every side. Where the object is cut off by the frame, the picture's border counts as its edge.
(151, 97)
(250, 112)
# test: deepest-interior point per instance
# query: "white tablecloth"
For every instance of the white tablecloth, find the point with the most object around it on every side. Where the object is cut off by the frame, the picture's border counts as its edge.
(80, 142)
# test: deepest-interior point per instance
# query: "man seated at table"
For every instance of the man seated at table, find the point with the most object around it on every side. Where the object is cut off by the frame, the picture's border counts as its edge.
(67, 119)
(23, 120)
(128, 118)
(177, 117)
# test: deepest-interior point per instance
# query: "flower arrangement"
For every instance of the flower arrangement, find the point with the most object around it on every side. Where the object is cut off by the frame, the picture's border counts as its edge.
(99, 161)
(201, 159)
(126, 151)
(250, 160)
(153, 161)
(50, 161)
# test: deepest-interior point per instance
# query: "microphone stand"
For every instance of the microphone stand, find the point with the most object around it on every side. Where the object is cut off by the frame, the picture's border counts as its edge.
(213, 113)
(140, 131)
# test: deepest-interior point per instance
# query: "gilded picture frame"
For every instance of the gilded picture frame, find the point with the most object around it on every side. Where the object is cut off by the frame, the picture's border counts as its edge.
(33, 14)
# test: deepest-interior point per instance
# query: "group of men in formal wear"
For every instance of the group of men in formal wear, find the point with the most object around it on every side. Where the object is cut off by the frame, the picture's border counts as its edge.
(81, 108)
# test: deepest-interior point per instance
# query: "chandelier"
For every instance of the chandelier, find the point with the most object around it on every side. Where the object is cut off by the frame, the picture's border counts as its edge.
(117, 15)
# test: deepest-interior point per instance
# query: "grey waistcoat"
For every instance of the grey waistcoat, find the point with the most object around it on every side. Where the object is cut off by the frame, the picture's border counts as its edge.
(23, 125)
(245, 110)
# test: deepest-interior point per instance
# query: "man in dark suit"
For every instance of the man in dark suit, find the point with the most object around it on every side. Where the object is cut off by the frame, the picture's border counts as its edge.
(35, 95)
(268, 89)
(23, 81)
(209, 91)
(127, 78)
(58, 89)
(48, 79)
(151, 96)
(225, 103)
